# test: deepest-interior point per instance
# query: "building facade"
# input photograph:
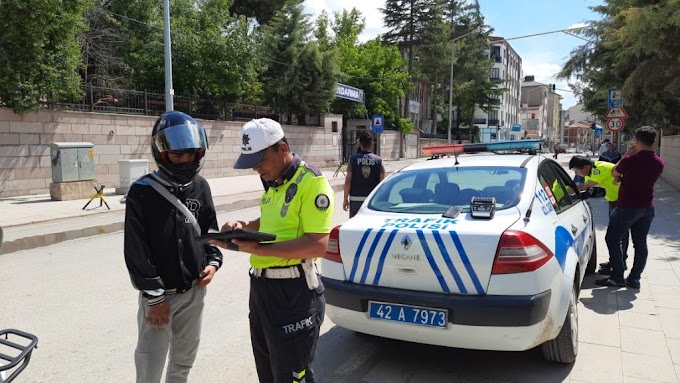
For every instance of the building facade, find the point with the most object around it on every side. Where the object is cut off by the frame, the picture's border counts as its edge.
(534, 109)
(496, 125)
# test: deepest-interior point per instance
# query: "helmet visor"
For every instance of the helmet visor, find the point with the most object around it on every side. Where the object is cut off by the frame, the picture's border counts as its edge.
(179, 138)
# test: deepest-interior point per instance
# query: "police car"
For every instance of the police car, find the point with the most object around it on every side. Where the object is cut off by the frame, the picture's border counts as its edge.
(483, 251)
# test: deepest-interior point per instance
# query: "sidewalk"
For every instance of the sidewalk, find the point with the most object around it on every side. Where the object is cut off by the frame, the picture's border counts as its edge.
(35, 221)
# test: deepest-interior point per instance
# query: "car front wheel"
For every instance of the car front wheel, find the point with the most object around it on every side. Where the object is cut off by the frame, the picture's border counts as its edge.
(564, 347)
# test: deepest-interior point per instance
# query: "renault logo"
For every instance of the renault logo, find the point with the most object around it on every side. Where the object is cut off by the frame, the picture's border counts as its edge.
(406, 242)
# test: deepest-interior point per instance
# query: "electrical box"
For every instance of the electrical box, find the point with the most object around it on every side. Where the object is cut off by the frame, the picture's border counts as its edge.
(72, 161)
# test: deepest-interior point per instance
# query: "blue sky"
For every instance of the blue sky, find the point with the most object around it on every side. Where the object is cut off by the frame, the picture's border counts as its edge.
(542, 56)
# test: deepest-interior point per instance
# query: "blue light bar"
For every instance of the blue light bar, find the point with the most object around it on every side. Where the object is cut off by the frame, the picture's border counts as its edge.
(514, 145)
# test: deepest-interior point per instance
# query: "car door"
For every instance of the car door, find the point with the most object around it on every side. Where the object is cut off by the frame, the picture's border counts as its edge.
(573, 225)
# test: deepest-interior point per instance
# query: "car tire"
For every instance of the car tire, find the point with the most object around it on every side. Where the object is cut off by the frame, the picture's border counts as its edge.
(564, 348)
(592, 263)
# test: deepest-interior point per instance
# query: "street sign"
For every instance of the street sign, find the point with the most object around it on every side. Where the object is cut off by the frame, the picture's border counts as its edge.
(349, 93)
(615, 124)
(614, 98)
(598, 132)
(517, 127)
(616, 113)
(377, 123)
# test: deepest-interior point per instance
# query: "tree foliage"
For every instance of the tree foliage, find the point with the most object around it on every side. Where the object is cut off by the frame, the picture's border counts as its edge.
(39, 52)
(635, 47)
(300, 79)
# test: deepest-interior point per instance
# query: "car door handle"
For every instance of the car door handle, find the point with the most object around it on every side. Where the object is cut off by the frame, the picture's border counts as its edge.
(574, 229)
(585, 218)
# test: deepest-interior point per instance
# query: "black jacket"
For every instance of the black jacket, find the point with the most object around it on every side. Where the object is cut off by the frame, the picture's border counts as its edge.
(160, 250)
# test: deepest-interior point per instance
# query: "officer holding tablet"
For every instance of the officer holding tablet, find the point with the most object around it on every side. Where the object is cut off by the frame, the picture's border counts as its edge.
(287, 305)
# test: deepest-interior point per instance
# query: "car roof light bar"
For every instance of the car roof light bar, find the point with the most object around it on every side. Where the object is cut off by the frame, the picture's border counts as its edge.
(456, 149)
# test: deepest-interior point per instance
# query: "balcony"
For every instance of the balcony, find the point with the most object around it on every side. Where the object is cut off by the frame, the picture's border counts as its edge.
(479, 121)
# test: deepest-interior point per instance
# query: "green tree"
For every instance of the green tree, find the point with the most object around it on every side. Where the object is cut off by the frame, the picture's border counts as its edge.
(300, 79)
(39, 51)
(634, 47)
(262, 10)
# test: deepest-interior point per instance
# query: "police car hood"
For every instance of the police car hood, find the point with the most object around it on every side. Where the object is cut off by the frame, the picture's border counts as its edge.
(423, 252)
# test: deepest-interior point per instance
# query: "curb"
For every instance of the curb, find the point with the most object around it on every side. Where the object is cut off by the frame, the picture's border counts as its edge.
(35, 241)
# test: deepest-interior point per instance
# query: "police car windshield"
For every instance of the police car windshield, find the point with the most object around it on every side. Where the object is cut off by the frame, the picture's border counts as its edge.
(432, 191)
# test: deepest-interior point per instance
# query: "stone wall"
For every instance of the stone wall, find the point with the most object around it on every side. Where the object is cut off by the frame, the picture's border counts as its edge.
(25, 166)
(670, 153)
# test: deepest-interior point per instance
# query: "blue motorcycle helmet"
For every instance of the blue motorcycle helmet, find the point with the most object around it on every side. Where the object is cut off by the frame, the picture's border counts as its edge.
(178, 132)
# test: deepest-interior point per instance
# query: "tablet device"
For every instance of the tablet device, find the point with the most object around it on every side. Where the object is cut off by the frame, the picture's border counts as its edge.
(237, 234)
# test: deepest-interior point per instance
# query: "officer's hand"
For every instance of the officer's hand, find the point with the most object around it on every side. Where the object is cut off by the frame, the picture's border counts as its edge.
(158, 315)
(247, 246)
(206, 275)
(231, 225)
(345, 205)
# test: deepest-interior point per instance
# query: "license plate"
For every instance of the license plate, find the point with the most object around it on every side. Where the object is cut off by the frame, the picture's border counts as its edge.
(423, 316)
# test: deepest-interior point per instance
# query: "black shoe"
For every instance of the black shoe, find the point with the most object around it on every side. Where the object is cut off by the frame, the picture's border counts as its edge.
(633, 283)
(605, 264)
(604, 270)
(610, 282)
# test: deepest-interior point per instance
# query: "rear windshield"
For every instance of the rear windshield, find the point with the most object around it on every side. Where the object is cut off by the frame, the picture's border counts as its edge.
(432, 191)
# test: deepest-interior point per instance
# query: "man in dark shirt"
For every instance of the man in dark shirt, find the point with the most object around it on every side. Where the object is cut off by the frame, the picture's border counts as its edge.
(638, 171)
(364, 171)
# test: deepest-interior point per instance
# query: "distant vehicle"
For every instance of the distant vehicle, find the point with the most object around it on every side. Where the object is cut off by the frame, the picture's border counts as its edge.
(571, 150)
(484, 251)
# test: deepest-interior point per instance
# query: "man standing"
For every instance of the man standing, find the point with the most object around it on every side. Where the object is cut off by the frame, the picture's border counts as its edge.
(603, 148)
(638, 171)
(287, 305)
(165, 211)
(364, 171)
(600, 174)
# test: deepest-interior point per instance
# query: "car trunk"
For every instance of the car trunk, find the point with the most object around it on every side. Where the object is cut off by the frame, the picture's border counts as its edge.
(423, 252)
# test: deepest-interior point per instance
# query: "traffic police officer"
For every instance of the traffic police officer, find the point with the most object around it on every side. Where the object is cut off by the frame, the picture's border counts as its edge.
(599, 173)
(364, 172)
(287, 305)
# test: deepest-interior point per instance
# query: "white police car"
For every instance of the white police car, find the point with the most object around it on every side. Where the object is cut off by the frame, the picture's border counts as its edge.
(484, 251)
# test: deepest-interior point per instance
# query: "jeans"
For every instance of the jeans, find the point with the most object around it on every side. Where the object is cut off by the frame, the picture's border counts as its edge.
(624, 239)
(621, 220)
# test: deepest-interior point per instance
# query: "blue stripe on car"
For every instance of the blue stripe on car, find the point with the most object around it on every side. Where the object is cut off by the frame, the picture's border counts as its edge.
(369, 256)
(357, 255)
(449, 263)
(466, 262)
(430, 259)
(383, 255)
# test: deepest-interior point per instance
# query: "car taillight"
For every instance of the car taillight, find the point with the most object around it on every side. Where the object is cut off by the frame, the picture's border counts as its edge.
(519, 252)
(333, 248)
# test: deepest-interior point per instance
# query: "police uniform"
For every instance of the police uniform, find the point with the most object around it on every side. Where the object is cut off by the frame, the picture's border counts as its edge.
(366, 168)
(601, 173)
(287, 305)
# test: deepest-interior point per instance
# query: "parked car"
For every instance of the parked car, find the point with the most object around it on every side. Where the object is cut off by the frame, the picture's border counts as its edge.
(571, 150)
(479, 251)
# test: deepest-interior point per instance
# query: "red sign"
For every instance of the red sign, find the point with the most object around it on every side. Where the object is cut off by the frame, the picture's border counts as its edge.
(616, 113)
(615, 124)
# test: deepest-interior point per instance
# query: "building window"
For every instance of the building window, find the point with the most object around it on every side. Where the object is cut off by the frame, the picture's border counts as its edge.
(334, 126)
(495, 73)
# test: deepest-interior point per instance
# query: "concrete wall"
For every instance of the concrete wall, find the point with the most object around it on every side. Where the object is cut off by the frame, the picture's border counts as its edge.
(670, 153)
(25, 166)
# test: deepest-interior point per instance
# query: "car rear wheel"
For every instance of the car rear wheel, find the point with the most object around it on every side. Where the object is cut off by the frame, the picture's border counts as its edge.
(592, 263)
(564, 347)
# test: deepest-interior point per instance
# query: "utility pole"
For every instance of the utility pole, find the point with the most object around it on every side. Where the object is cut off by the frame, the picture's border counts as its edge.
(169, 92)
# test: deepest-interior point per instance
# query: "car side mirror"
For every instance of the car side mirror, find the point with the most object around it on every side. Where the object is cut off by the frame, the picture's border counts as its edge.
(584, 194)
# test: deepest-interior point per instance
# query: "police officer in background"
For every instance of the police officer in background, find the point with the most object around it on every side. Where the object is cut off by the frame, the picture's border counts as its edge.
(165, 211)
(364, 172)
(286, 304)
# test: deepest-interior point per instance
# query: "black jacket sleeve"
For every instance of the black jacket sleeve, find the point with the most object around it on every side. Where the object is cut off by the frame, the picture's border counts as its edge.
(138, 259)
(213, 254)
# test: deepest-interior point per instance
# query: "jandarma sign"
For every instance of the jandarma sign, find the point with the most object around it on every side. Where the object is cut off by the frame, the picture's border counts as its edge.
(349, 93)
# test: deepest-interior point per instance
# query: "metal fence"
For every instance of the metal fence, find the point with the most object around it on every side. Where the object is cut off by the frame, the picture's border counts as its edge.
(124, 101)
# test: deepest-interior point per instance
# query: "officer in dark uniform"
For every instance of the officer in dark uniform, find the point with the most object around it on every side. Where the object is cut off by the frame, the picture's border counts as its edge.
(287, 305)
(364, 171)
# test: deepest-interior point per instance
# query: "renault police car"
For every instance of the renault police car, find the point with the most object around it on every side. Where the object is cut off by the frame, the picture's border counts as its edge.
(483, 251)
